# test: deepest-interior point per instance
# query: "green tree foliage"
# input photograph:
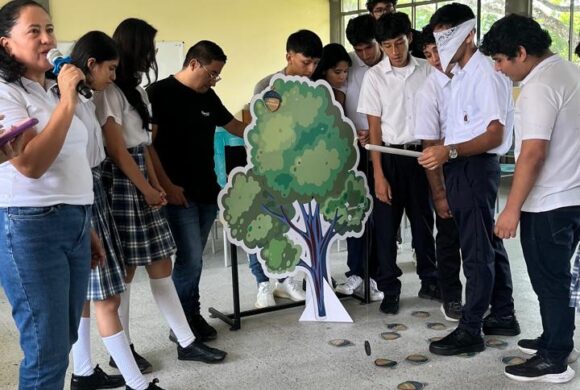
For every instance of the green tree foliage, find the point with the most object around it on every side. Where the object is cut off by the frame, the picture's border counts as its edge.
(300, 186)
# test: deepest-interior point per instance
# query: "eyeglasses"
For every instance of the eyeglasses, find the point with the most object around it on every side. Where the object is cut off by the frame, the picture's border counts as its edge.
(213, 77)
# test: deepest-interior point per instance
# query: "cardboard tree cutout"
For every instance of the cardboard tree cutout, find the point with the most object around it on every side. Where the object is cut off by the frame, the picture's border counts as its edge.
(300, 190)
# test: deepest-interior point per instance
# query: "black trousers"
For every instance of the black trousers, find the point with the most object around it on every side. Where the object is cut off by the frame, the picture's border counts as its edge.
(472, 185)
(549, 240)
(358, 248)
(410, 191)
(448, 259)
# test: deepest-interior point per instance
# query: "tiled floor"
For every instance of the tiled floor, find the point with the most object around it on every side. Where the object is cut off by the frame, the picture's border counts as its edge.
(275, 351)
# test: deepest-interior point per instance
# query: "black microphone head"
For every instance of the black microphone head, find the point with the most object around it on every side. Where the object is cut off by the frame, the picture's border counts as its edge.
(53, 55)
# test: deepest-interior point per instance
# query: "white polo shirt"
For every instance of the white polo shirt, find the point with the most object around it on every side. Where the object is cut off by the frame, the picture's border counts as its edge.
(431, 107)
(354, 82)
(548, 108)
(389, 93)
(479, 95)
(113, 103)
(95, 147)
(68, 180)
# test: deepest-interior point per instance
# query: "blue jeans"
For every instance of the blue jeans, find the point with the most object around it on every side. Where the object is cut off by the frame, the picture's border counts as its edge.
(190, 227)
(44, 269)
(549, 240)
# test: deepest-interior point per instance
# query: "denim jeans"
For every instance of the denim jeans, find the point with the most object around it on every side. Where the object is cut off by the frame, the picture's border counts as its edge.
(190, 227)
(44, 269)
(549, 240)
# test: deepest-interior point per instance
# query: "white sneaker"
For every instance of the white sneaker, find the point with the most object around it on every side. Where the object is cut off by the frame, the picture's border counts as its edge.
(289, 289)
(351, 284)
(265, 297)
(376, 294)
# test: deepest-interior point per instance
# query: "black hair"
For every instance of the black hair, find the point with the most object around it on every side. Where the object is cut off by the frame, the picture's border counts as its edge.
(427, 37)
(577, 51)
(205, 52)
(332, 54)
(372, 3)
(361, 29)
(451, 14)
(510, 32)
(391, 26)
(136, 42)
(10, 69)
(305, 42)
(94, 44)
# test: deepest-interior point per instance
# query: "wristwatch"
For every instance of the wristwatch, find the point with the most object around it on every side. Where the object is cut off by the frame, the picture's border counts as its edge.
(452, 152)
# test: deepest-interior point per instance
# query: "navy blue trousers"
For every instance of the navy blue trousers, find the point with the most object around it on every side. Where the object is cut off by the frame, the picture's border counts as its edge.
(472, 185)
(549, 240)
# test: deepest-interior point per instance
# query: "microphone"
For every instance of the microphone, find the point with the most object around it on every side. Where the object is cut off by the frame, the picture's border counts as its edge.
(57, 60)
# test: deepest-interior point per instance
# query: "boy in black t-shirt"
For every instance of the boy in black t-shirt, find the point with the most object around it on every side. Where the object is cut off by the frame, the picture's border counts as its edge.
(186, 111)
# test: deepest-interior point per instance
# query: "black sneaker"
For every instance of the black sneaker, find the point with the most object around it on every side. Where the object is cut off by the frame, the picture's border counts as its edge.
(152, 385)
(144, 366)
(540, 369)
(529, 346)
(452, 311)
(504, 326)
(98, 380)
(390, 304)
(457, 342)
(430, 291)
(198, 351)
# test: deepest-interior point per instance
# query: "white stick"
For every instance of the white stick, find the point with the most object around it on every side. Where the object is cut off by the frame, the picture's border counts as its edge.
(400, 152)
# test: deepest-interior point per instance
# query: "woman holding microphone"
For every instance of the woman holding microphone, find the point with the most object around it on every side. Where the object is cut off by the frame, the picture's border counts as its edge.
(45, 198)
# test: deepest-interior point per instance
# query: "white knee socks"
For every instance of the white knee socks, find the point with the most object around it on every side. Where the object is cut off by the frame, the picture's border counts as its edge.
(81, 350)
(124, 310)
(119, 349)
(167, 300)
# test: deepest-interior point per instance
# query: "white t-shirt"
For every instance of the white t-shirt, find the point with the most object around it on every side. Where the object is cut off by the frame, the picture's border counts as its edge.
(354, 82)
(479, 95)
(95, 148)
(113, 103)
(548, 108)
(390, 95)
(69, 179)
(431, 107)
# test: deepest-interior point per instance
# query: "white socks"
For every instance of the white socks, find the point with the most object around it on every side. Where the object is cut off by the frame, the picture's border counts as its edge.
(168, 303)
(119, 349)
(81, 350)
(124, 310)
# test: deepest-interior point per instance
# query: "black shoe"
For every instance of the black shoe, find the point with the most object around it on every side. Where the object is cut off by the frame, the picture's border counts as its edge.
(390, 304)
(152, 386)
(200, 352)
(98, 380)
(144, 366)
(504, 326)
(457, 342)
(529, 346)
(452, 311)
(201, 329)
(540, 369)
(430, 291)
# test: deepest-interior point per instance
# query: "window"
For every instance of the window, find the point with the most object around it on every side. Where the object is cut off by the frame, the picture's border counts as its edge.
(420, 12)
(562, 20)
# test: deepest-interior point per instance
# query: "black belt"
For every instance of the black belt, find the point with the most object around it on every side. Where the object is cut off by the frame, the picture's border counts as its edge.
(415, 147)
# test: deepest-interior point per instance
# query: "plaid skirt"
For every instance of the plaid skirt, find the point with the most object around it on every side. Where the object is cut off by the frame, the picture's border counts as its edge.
(105, 280)
(575, 285)
(145, 234)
